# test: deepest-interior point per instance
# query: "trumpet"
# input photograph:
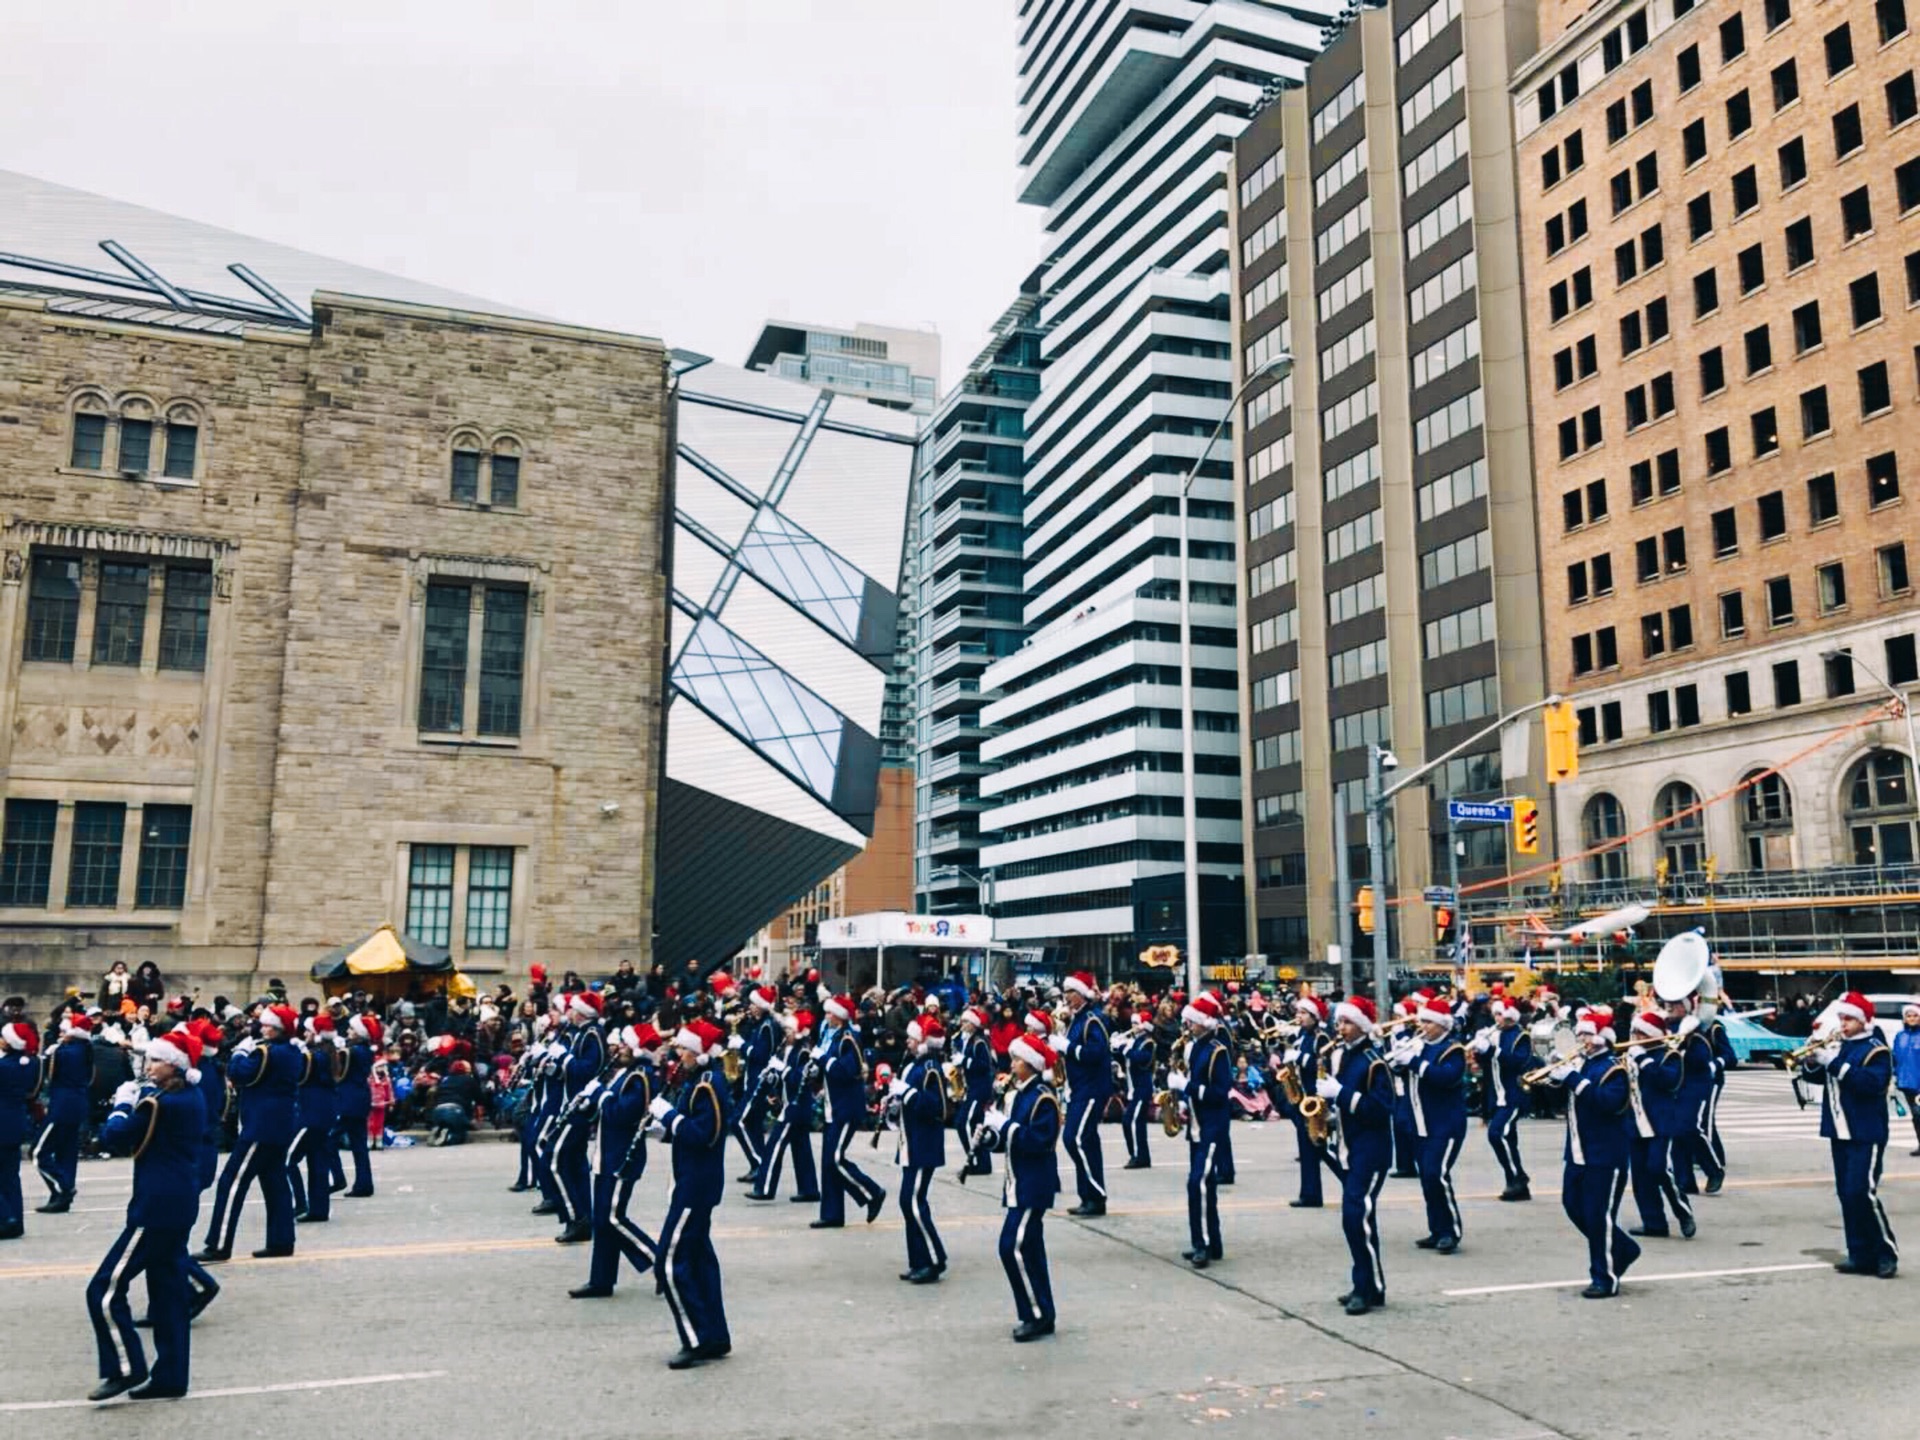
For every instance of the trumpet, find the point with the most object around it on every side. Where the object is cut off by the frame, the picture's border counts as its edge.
(1380, 1032)
(953, 1075)
(1797, 1059)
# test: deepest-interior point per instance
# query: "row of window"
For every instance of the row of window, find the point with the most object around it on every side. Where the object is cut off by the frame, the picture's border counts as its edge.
(94, 855)
(131, 441)
(431, 875)
(120, 610)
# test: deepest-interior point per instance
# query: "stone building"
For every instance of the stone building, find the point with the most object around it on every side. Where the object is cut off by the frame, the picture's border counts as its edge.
(315, 613)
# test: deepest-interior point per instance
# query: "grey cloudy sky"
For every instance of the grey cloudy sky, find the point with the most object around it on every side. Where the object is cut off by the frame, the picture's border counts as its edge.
(682, 168)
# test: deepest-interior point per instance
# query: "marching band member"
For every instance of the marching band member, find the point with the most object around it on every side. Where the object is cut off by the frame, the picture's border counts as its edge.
(794, 1130)
(68, 1087)
(1855, 1071)
(1026, 1130)
(1597, 1151)
(549, 1098)
(694, 1122)
(203, 1288)
(266, 1072)
(1724, 1059)
(976, 1058)
(1697, 1093)
(1656, 1074)
(1204, 1087)
(1303, 1053)
(19, 1083)
(318, 1107)
(1406, 1145)
(921, 1096)
(572, 1168)
(1358, 1088)
(1089, 1085)
(1435, 1065)
(356, 1098)
(160, 1126)
(756, 1050)
(619, 1160)
(843, 1071)
(1136, 1054)
(1506, 1053)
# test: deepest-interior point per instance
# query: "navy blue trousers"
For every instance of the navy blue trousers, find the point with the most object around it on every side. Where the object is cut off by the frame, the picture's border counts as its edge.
(573, 1170)
(1655, 1186)
(1083, 1145)
(1856, 1176)
(1435, 1158)
(13, 1206)
(1023, 1253)
(56, 1155)
(690, 1275)
(1360, 1187)
(1503, 1135)
(1310, 1159)
(924, 1249)
(1203, 1197)
(1133, 1125)
(791, 1135)
(1591, 1194)
(253, 1160)
(840, 1176)
(615, 1234)
(161, 1255)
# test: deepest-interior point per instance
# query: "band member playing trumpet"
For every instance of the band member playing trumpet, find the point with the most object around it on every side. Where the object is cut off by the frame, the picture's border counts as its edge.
(1506, 1053)
(842, 1071)
(1136, 1054)
(1597, 1150)
(1855, 1069)
(1435, 1066)
(1656, 1072)
(976, 1064)
(1697, 1094)
(786, 1077)
(1026, 1130)
(757, 1047)
(1406, 1145)
(1204, 1086)
(1089, 1084)
(1302, 1057)
(921, 1097)
(1358, 1088)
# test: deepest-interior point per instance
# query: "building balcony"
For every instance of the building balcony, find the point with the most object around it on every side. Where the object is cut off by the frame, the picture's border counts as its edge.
(954, 767)
(960, 728)
(966, 655)
(965, 481)
(963, 547)
(951, 845)
(949, 803)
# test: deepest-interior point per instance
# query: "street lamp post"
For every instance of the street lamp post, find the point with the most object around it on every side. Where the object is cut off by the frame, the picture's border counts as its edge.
(1276, 366)
(1904, 698)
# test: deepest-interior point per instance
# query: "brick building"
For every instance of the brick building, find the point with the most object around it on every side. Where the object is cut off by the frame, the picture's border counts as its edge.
(1718, 212)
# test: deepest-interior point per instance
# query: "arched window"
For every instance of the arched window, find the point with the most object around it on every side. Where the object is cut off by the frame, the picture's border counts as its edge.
(184, 458)
(1877, 806)
(1604, 820)
(484, 471)
(1683, 843)
(1766, 822)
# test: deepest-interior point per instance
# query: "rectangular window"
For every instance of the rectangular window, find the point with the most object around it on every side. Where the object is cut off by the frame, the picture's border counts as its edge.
(1713, 372)
(1765, 425)
(1780, 600)
(1793, 163)
(89, 450)
(53, 608)
(1903, 660)
(1891, 16)
(26, 854)
(443, 665)
(1739, 694)
(1906, 183)
(1786, 85)
(1830, 581)
(1733, 38)
(183, 617)
(1739, 115)
(1699, 217)
(466, 475)
(1848, 136)
(93, 869)
(120, 615)
(183, 449)
(503, 648)
(136, 446)
(1746, 191)
(1799, 239)
(1706, 294)
(1894, 577)
(1839, 45)
(430, 894)
(1759, 346)
(1726, 533)
(1883, 479)
(1903, 102)
(489, 896)
(504, 473)
(1687, 68)
(1719, 449)
(1856, 213)
(1823, 499)
(1752, 265)
(1659, 712)
(1773, 515)
(1839, 671)
(1786, 683)
(1814, 419)
(1806, 327)
(1693, 142)
(160, 883)
(1733, 614)
(1876, 392)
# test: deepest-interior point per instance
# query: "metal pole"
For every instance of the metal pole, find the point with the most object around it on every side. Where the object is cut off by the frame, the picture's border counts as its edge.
(1191, 811)
(1453, 884)
(1342, 895)
(1377, 877)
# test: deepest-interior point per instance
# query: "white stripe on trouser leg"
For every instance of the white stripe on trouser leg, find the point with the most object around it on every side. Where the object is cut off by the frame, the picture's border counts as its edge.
(1020, 1254)
(242, 1178)
(114, 1283)
(624, 1223)
(47, 1177)
(1206, 1174)
(926, 1215)
(1087, 1117)
(912, 1209)
(1879, 1210)
(1670, 1188)
(852, 1186)
(1370, 1223)
(1612, 1223)
(1448, 1156)
(776, 1158)
(688, 1335)
(1020, 1263)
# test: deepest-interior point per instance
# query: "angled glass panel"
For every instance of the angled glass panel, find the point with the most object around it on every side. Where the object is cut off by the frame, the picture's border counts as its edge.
(762, 704)
(793, 564)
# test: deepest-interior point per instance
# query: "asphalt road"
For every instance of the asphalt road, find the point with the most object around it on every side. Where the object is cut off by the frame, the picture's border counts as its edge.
(442, 1302)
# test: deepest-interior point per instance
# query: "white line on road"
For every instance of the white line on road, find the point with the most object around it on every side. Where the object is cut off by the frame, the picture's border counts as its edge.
(292, 1386)
(1639, 1279)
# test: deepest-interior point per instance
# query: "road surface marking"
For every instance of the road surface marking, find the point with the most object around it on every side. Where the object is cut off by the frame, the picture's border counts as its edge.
(288, 1387)
(1632, 1279)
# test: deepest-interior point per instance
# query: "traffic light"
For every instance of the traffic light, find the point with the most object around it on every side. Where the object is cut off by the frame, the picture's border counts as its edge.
(1563, 743)
(1365, 899)
(1526, 826)
(1442, 922)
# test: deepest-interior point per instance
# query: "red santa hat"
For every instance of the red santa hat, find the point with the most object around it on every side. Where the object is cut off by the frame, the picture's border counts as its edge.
(1435, 1011)
(1203, 1010)
(975, 1016)
(1407, 1005)
(75, 1025)
(841, 1007)
(1310, 1005)
(1504, 1008)
(180, 1049)
(1082, 983)
(207, 1032)
(643, 1039)
(801, 1022)
(1143, 1019)
(763, 997)
(721, 982)
(1038, 1022)
(320, 1024)
(1356, 1010)
(1595, 1020)
(20, 1036)
(587, 1005)
(925, 1030)
(281, 1018)
(368, 1027)
(1649, 1022)
(1035, 1051)
(1854, 1005)
(702, 1037)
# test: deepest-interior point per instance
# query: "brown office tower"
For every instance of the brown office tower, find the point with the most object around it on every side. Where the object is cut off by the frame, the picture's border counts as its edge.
(1390, 590)
(1720, 218)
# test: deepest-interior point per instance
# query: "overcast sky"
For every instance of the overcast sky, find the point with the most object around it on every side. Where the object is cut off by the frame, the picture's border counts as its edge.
(680, 168)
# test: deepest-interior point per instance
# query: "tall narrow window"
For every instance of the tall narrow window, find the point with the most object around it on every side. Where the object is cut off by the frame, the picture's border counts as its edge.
(53, 608)
(93, 870)
(503, 653)
(443, 665)
(136, 445)
(26, 854)
(161, 881)
(430, 894)
(466, 475)
(120, 616)
(183, 617)
(489, 896)
(505, 475)
(183, 449)
(89, 442)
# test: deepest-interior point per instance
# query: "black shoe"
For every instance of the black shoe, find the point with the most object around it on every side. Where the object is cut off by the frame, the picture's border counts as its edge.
(1599, 1292)
(519, 1187)
(12, 1232)
(1223, 1184)
(213, 1255)
(1688, 1227)
(1847, 1267)
(368, 1194)
(698, 1355)
(546, 1207)
(1031, 1330)
(1193, 1254)
(590, 1292)
(575, 1234)
(197, 1306)
(147, 1390)
(1516, 1192)
(1428, 1242)
(1646, 1233)
(1447, 1244)
(875, 1206)
(1305, 1205)
(1148, 1165)
(1198, 1259)
(826, 1225)
(1360, 1304)
(813, 1199)
(273, 1253)
(336, 1187)
(58, 1205)
(929, 1276)
(119, 1385)
(311, 1219)
(756, 1195)
(1713, 1185)
(1887, 1268)
(982, 1168)
(1089, 1209)
(1343, 1299)
(1914, 1152)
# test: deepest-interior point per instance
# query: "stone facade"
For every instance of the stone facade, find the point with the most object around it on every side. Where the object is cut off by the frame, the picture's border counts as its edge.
(315, 513)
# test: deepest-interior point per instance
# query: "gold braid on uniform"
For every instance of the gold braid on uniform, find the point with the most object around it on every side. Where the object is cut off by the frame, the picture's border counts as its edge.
(151, 1104)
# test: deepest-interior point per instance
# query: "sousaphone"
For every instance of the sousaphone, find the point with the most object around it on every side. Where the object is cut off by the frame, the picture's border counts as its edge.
(1684, 968)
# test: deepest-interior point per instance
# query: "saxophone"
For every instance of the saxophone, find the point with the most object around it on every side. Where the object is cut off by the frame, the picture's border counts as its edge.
(1172, 1122)
(1313, 1110)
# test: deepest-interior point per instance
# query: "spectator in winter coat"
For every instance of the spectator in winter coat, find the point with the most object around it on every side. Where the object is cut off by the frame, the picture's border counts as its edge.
(1906, 1066)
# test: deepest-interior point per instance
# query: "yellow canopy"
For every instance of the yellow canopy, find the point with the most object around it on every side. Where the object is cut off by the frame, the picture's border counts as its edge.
(379, 954)
(462, 987)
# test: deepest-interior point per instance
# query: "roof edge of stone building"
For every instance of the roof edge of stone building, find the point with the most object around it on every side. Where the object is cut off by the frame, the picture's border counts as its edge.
(517, 324)
(1552, 50)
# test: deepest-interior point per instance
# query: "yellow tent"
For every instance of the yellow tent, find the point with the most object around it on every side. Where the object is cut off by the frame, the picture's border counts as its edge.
(386, 952)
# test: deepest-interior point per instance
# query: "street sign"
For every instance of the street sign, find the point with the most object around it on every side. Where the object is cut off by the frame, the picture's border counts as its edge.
(1491, 812)
(1437, 895)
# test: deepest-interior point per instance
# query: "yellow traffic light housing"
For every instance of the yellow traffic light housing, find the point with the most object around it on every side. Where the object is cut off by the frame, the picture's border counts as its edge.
(1365, 901)
(1563, 743)
(1526, 826)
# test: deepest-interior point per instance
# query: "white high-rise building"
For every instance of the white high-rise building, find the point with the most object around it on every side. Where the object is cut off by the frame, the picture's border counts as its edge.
(1127, 120)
